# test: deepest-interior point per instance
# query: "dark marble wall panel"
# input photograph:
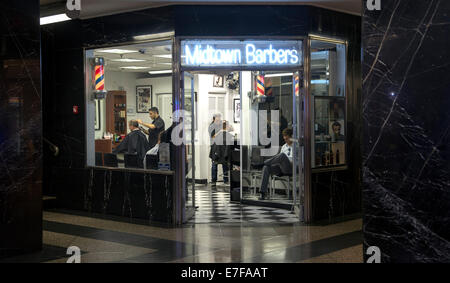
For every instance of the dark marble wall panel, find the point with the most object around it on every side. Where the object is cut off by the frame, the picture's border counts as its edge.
(337, 194)
(235, 20)
(122, 193)
(20, 128)
(406, 102)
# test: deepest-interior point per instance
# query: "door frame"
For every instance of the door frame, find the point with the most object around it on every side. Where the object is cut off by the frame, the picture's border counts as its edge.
(179, 203)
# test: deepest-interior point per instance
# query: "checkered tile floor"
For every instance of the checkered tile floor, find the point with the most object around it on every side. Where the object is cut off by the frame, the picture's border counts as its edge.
(215, 207)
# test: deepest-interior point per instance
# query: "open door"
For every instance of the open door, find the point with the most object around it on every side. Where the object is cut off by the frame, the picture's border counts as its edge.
(298, 144)
(189, 130)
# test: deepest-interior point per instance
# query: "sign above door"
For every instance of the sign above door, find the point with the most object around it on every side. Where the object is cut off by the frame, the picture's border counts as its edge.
(241, 54)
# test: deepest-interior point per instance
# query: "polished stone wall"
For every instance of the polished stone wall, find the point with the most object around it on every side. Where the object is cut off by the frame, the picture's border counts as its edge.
(406, 102)
(20, 128)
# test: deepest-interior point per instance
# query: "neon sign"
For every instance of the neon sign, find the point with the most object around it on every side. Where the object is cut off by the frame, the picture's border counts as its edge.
(208, 53)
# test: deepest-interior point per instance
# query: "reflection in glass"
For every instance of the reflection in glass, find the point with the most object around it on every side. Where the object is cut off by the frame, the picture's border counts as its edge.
(265, 93)
(328, 69)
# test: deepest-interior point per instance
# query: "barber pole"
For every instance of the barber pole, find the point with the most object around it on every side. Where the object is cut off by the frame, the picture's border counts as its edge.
(297, 85)
(260, 89)
(99, 78)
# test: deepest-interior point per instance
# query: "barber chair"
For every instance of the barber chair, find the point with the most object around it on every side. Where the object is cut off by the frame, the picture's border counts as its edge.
(110, 160)
(98, 159)
(132, 161)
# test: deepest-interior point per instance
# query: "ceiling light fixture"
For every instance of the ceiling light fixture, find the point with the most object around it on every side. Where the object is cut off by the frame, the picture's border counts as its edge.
(134, 67)
(54, 19)
(160, 72)
(128, 60)
(278, 75)
(116, 51)
(153, 35)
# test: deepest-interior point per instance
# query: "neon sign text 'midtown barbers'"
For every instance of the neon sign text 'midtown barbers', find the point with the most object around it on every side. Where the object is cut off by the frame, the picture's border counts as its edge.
(242, 54)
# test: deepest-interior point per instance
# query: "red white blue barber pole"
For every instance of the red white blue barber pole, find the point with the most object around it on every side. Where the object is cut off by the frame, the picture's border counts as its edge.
(260, 87)
(297, 84)
(99, 78)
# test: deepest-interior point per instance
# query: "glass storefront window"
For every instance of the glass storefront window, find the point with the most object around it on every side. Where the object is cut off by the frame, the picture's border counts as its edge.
(131, 80)
(328, 74)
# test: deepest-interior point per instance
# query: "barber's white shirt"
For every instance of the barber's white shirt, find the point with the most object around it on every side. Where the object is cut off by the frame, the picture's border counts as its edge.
(287, 149)
(154, 150)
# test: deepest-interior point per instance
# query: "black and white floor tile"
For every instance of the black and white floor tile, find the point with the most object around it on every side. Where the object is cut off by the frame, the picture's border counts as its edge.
(214, 206)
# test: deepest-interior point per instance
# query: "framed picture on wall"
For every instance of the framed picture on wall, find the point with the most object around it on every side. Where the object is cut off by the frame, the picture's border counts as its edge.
(218, 81)
(97, 115)
(143, 98)
(237, 110)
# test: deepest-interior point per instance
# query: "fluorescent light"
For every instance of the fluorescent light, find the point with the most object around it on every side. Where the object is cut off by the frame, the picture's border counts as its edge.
(316, 82)
(168, 56)
(164, 64)
(128, 60)
(117, 51)
(278, 75)
(54, 19)
(134, 67)
(160, 72)
(153, 35)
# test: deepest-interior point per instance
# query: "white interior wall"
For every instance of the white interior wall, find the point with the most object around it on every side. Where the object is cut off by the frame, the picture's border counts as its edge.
(161, 86)
(205, 112)
(128, 82)
(249, 129)
(118, 81)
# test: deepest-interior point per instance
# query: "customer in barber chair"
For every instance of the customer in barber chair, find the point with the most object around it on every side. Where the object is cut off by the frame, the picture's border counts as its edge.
(134, 143)
(280, 163)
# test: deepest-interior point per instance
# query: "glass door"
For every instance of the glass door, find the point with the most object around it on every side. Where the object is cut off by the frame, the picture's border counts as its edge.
(271, 145)
(189, 115)
(298, 144)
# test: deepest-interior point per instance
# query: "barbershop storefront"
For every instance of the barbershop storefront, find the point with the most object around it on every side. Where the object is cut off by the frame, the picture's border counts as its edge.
(267, 70)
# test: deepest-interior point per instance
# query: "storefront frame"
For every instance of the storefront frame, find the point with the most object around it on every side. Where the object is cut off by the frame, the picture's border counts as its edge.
(181, 215)
(178, 81)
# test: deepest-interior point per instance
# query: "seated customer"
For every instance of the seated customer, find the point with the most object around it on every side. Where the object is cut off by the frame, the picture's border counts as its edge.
(279, 163)
(134, 143)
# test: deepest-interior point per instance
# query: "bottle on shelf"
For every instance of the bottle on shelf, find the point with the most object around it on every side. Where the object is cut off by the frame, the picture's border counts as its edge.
(331, 157)
(338, 161)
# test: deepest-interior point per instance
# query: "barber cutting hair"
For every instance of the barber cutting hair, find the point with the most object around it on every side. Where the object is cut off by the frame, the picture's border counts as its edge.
(154, 128)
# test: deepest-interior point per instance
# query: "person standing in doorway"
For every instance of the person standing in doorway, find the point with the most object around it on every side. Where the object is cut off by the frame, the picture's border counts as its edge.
(221, 150)
(214, 128)
(155, 128)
